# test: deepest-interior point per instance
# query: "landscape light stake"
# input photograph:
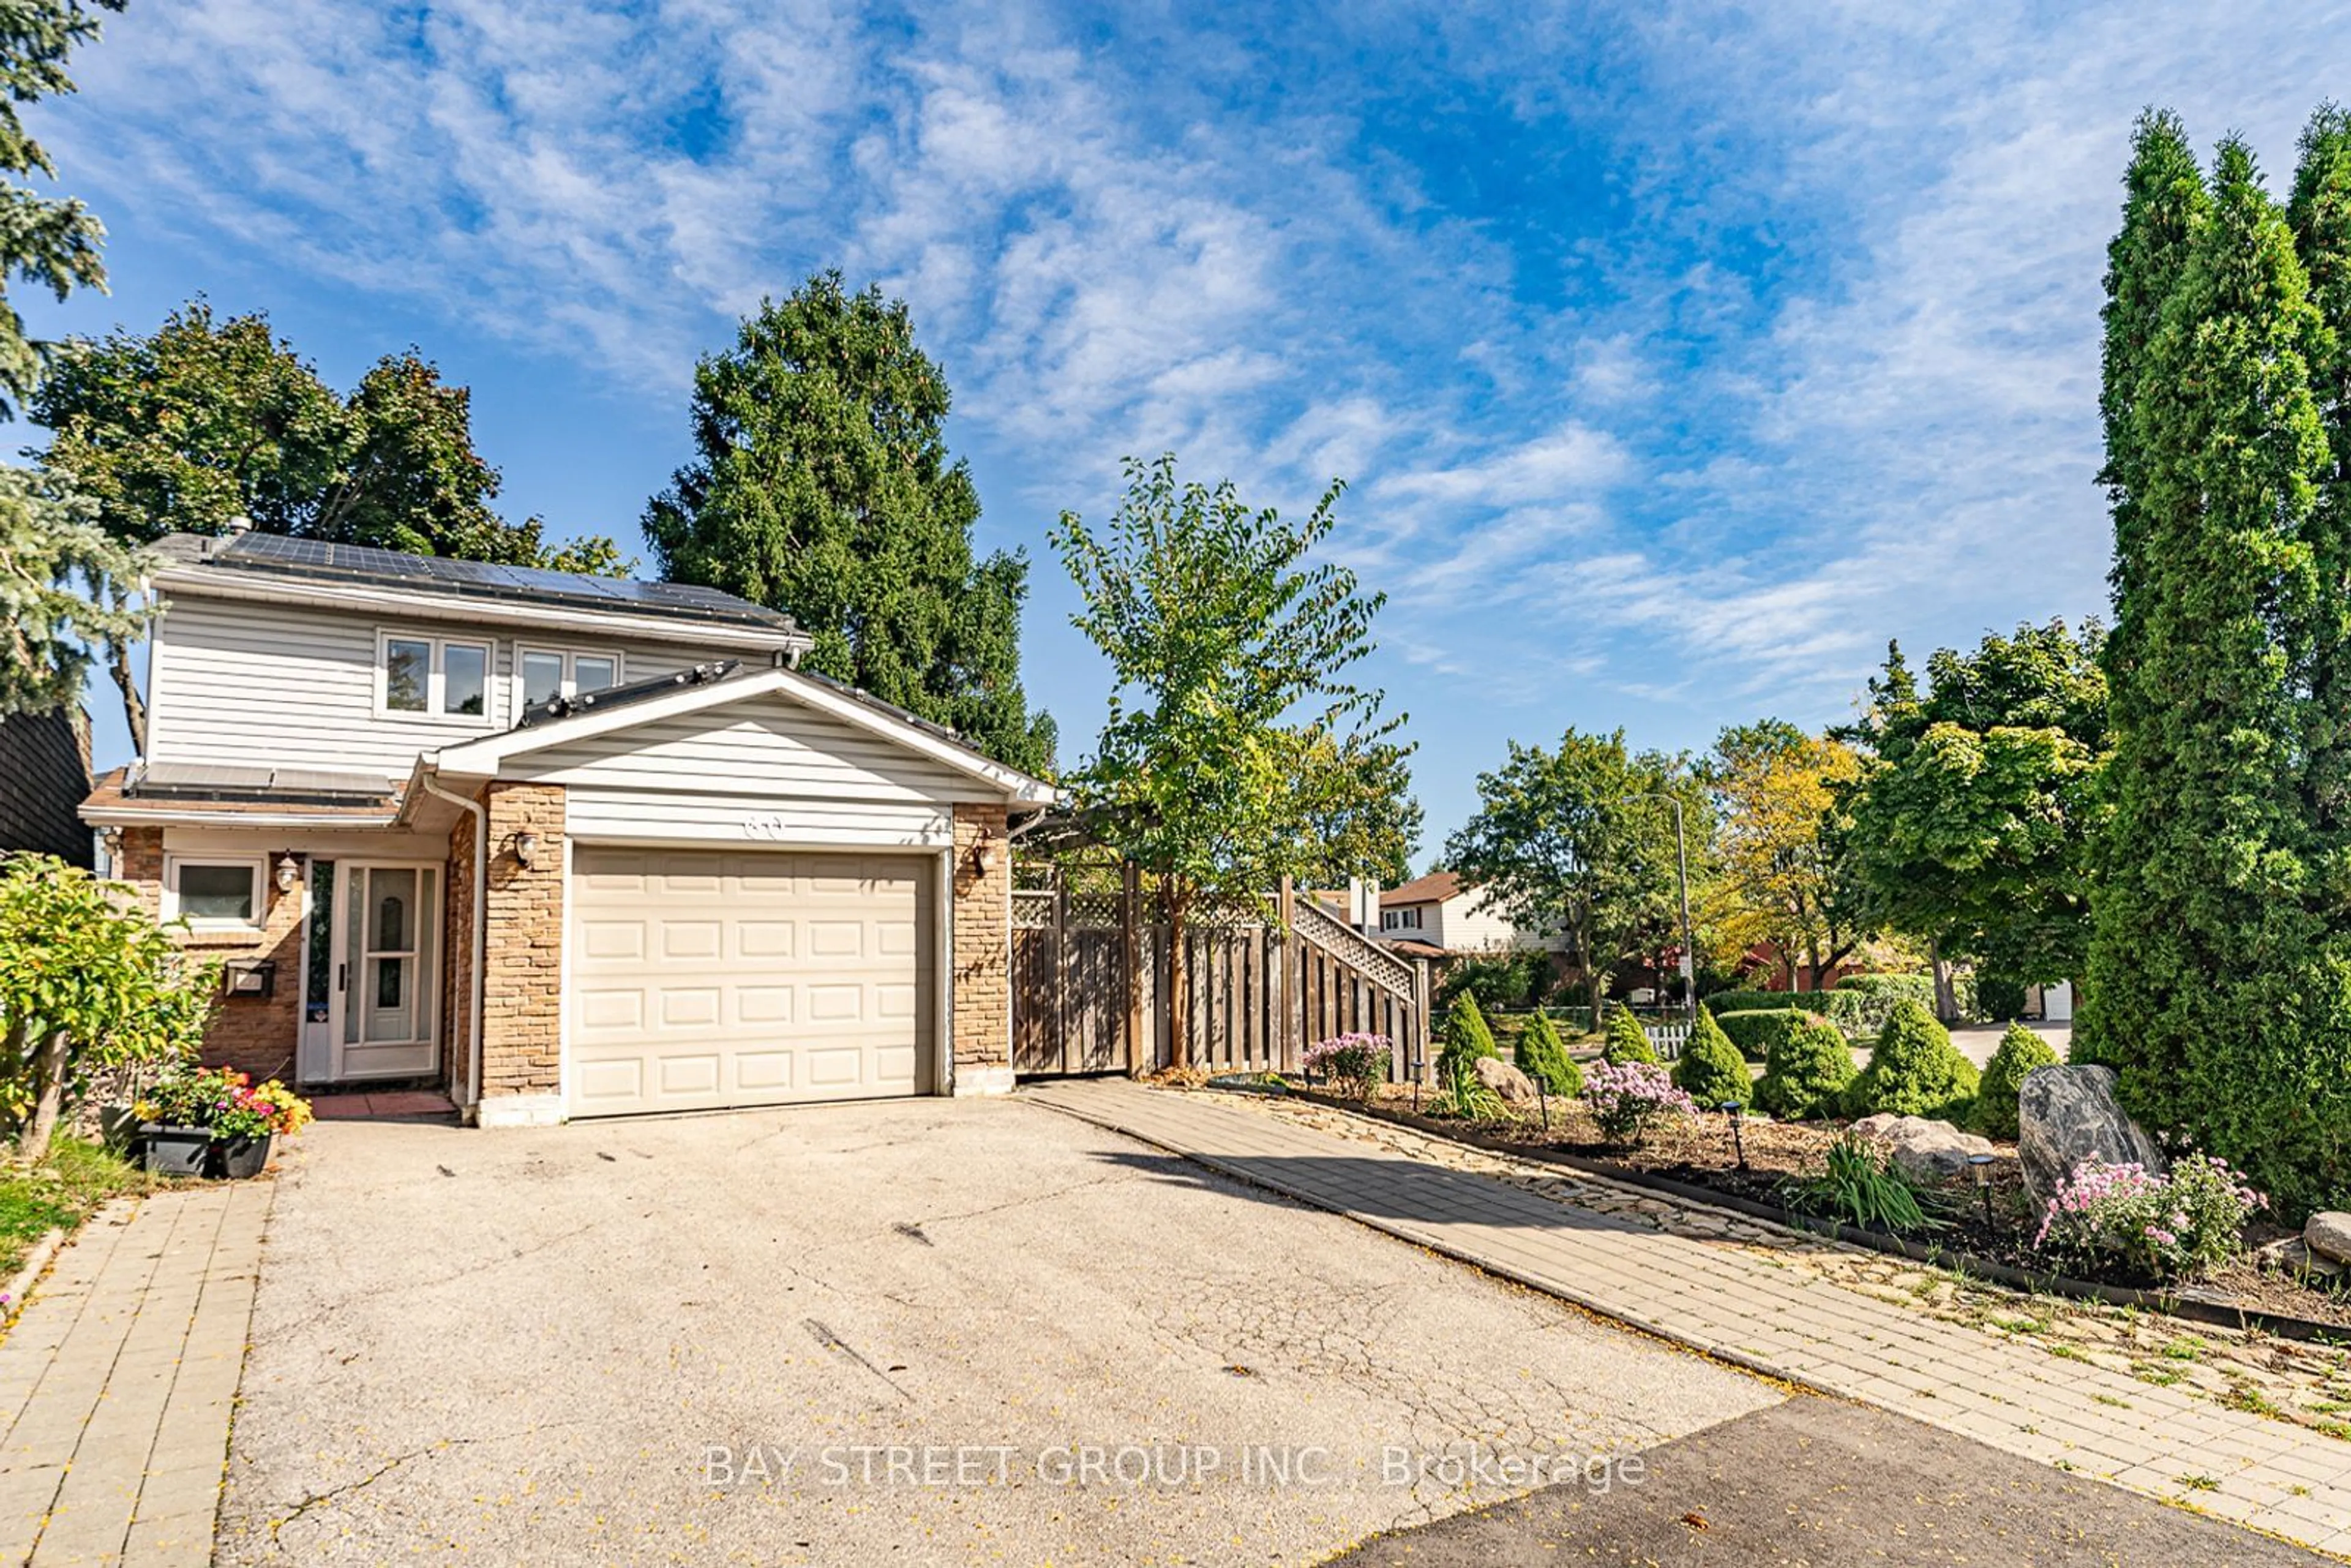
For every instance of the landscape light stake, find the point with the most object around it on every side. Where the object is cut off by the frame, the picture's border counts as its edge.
(1982, 1164)
(1542, 1101)
(1732, 1109)
(1419, 1070)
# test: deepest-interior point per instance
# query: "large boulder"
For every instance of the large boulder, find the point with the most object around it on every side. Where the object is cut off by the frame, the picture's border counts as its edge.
(1514, 1086)
(1921, 1148)
(2328, 1234)
(2068, 1114)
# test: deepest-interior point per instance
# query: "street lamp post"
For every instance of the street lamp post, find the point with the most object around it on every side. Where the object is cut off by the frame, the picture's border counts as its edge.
(1681, 861)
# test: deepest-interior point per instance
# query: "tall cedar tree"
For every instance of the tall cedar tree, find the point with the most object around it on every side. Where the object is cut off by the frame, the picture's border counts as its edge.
(2218, 981)
(823, 487)
(204, 421)
(2320, 213)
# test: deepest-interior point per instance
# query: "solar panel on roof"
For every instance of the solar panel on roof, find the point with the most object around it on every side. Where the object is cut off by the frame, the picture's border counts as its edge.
(317, 560)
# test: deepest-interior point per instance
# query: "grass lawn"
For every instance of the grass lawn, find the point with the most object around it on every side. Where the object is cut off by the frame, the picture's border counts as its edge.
(61, 1191)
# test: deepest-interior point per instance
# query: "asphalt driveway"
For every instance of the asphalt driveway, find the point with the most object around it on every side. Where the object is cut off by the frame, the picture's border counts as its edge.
(919, 1332)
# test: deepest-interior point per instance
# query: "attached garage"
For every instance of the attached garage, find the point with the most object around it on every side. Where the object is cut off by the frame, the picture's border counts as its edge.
(712, 981)
(741, 888)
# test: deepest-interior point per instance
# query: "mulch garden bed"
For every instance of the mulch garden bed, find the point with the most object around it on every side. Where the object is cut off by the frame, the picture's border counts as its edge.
(1985, 1230)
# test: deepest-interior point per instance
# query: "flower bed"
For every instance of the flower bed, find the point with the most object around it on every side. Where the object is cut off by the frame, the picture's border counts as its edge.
(1995, 1222)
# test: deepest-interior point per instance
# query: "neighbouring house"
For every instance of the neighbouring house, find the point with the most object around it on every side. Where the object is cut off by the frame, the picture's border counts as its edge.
(44, 774)
(563, 846)
(1437, 911)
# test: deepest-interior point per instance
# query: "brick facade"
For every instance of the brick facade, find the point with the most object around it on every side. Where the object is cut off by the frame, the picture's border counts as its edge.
(522, 982)
(457, 958)
(982, 919)
(253, 1034)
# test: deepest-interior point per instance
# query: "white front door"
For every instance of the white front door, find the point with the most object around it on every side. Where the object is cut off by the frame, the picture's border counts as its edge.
(386, 999)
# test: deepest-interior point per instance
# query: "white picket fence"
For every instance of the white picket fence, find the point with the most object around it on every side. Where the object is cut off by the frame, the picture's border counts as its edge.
(1668, 1038)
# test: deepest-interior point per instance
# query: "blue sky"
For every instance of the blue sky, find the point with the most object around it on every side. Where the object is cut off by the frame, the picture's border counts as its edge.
(1678, 355)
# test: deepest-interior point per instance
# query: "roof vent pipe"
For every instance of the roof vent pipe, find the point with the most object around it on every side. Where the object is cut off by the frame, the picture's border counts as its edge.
(240, 524)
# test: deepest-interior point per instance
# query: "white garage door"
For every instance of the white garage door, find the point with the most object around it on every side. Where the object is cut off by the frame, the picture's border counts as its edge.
(702, 981)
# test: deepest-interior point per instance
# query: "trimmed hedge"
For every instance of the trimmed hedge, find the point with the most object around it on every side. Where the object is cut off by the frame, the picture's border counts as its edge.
(1754, 1032)
(1723, 1002)
(1625, 1039)
(2021, 1050)
(1808, 1073)
(1542, 1057)
(1914, 1071)
(1711, 1072)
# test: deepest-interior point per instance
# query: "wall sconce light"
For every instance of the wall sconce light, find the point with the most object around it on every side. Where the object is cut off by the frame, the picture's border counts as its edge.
(983, 855)
(289, 871)
(525, 848)
(111, 841)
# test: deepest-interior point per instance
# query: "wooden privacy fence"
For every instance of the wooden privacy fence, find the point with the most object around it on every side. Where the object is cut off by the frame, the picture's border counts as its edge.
(1091, 983)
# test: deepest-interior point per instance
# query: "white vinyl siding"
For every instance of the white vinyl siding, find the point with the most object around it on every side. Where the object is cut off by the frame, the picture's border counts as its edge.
(769, 771)
(271, 685)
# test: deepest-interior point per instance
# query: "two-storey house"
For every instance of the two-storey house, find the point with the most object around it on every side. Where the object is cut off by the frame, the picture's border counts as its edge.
(1439, 911)
(561, 845)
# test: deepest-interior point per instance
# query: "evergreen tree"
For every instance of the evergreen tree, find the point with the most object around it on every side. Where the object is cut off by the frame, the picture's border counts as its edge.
(48, 240)
(1541, 1055)
(1464, 1037)
(822, 486)
(2319, 212)
(2217, 981)
(1711, 1070)
(1626, 1041)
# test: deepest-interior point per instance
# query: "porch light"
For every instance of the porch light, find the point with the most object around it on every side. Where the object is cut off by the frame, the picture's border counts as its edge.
(983, 855)
(288, 871)
(525, 848)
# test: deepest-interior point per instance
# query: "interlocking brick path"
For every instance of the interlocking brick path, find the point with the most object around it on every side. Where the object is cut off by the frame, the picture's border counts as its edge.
(117, 1382)
(1733, 1301)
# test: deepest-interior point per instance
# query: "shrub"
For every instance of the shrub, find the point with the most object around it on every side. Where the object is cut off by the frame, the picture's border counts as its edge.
(1542, 1058)
(2190, 1222)
(1754, 1032)
(1513, 980)
(1723, 1002)
(1626, 1099)
(2021, 1050)
(1627, 1041)
(1999, 999)
(1914, 1069)
(1860, 1186)
(1464, 1035)
(88, 986)
(1807, 1073)
(1919, 988)
(1710, 1070)
(1355, 1062)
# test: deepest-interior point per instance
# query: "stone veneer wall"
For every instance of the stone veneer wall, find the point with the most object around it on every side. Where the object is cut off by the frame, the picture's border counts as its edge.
(522, 977)
(982, 918)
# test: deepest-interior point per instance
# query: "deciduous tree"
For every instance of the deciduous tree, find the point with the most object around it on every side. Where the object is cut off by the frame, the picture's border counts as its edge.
(1237, 749)
(821, 485)
(1579, 841)
(1973, 819)
(1781, 875)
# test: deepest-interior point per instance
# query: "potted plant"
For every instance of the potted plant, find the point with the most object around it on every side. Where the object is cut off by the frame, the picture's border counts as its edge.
(176, 1124)
(233, 1122)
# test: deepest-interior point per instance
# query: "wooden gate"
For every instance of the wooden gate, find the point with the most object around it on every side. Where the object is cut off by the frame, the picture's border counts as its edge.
(1090, 976)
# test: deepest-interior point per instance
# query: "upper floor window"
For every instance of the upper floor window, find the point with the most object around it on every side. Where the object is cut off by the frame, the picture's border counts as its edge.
(445, 676)
(548, 674)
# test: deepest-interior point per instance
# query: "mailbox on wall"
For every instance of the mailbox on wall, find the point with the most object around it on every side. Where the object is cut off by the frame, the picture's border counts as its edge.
(249, 979)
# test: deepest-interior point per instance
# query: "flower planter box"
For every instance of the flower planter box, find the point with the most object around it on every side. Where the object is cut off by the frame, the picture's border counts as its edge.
(176, 1151)
(237, 1158)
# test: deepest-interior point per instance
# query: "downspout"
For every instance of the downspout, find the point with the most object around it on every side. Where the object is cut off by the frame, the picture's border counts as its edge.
(479, 987)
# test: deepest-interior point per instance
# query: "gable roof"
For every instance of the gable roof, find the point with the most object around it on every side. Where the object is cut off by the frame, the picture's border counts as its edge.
(719, 686)
(257, 565)
(1435, 888)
